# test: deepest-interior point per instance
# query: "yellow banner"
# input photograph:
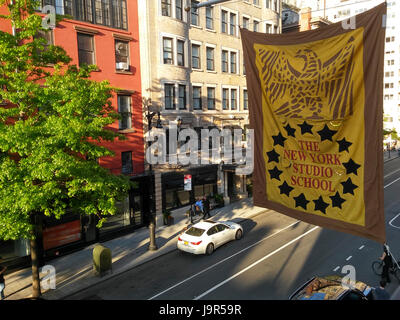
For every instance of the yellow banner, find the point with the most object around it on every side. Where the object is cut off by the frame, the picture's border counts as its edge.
(316, 107)
(313, 112)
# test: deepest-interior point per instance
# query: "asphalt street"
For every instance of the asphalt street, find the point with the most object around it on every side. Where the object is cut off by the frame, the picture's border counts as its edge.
(276, 255)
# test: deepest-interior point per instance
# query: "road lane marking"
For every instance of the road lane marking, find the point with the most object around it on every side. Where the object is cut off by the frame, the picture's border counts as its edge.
(388, 175)
(254, 264)
(214, 265)
(362, 247)
(348, 258)
(336, 269)
(389, 184)
(390, 222)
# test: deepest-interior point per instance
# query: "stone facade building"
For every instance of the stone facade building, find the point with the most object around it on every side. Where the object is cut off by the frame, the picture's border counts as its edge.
(193, 74)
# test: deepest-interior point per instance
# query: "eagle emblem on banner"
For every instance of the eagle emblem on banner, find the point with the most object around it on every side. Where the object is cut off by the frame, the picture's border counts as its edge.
(303, 90)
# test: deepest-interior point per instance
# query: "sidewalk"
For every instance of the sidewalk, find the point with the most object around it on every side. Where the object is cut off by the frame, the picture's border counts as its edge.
(74, 272)
(387, 156)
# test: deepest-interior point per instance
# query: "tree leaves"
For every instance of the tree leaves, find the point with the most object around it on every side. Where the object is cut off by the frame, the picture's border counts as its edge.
(51, 132)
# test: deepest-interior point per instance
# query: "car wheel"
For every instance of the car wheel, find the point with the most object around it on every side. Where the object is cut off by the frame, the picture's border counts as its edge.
(210, 249)
(238, 234)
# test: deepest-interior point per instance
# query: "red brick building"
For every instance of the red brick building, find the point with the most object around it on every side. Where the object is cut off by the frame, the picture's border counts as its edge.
(104, 33)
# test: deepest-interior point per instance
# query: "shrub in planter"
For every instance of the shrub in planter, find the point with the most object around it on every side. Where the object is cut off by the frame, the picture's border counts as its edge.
(219, 199)
(250, 189)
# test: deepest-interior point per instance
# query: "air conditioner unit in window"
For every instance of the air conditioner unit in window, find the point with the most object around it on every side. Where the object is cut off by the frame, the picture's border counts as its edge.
(122, 66)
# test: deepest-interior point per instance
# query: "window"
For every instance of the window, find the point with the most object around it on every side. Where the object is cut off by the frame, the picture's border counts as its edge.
(256, 2)
(112, 13)
(225, 99)
(197, 98)
(167, 51)
(181, 52)
(58, 4)
(195, 56)
(127, 164)
(232, 24)
(169, 96)
(255, 25)
(275, 29)
(182, 97)
(68, 7)
(212, 231)
(224, 21)
(47, 35)
(122, 55)
(230, 98)
(268, 28)
(224, 61)
(233, 62)
(102, 12)
(245, 100)
(246, 23)
(84, 10)
(233, 99)
(209, 18)
(124, 109)
(210, 59)
(211, 98)
(389, 74)
(221, 227)
(178, 9)
(268, 4)
(85, 49)
(194, 14)
(166, 8)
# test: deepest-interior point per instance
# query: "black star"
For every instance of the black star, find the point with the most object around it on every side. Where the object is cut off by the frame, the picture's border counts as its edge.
(320, 205)
(285, 188)
(344, 145)
(337, 200)
(326, 133)
(305, 127)
(348, 186)
(290, 131)
(301, 201)
(351, 167)
(275, 173)
(279, 139)
(273, 156)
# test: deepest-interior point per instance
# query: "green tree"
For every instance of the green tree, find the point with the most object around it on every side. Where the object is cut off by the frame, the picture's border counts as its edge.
(50, 134)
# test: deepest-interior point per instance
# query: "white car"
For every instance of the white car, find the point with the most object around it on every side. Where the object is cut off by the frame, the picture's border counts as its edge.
(206, 236)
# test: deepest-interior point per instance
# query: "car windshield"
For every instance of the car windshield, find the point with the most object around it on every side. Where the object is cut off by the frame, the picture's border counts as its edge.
(195, 232)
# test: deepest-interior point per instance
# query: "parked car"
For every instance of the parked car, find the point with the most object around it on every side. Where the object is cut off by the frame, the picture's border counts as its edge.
(205, 236)
(332, 288)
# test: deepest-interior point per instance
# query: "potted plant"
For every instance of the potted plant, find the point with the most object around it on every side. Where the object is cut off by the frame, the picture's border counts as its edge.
(250, 189)
(168, 219)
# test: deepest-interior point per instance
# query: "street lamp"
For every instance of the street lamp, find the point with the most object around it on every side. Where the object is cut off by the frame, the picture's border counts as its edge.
(152, 224)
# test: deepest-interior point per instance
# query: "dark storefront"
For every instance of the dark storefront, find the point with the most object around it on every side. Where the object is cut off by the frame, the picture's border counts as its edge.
(73, 231)
(204, 183)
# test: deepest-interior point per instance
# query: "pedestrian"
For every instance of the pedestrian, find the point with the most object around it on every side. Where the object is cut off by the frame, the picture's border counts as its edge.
(199, 205)
(206, 203)
(2, 282)
(387, 263)
(381, 293)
